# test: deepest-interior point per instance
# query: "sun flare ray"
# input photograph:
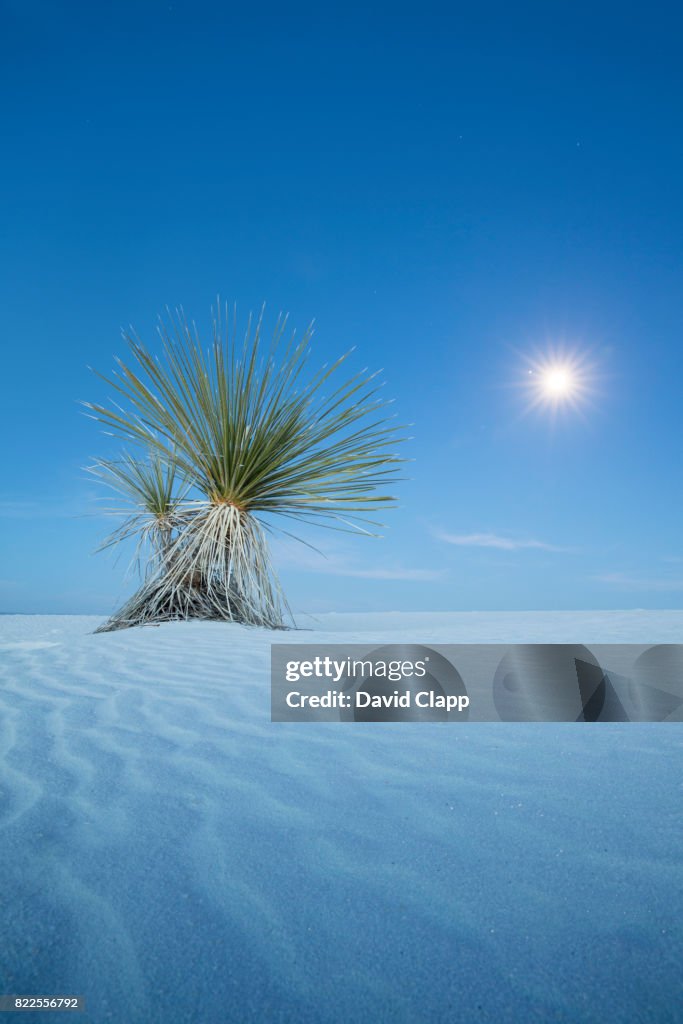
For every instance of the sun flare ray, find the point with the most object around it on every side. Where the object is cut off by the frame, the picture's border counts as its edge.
(558, 380)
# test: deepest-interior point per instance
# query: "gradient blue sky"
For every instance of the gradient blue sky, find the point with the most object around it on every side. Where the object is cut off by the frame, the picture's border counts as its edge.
(450, 190)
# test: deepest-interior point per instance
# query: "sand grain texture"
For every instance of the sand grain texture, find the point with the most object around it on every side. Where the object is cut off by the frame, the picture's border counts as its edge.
(171, 855)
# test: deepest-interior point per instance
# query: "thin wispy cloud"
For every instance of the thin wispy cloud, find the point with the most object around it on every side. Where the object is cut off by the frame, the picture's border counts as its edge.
(495, 540)
(624, 581)
(379, 573)
(297, 556)
(50, 508)
(18, 509)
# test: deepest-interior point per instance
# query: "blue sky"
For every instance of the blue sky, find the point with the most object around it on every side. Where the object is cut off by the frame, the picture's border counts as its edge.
(453, 191)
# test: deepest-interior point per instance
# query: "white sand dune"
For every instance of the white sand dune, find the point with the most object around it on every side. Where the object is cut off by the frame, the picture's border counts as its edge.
(171, 855)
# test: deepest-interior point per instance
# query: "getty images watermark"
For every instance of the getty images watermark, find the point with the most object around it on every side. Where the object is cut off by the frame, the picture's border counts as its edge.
(477, 683)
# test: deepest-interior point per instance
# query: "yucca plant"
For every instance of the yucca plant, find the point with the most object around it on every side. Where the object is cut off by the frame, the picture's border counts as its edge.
(251, 437)
(152, 508)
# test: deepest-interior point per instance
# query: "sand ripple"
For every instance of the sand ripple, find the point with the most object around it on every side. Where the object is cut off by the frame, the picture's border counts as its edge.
(170, 854)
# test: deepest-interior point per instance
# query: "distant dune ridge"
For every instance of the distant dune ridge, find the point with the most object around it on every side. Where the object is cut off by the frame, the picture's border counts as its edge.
(171, 855)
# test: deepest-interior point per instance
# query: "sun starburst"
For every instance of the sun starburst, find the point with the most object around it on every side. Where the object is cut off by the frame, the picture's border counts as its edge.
(558, 380)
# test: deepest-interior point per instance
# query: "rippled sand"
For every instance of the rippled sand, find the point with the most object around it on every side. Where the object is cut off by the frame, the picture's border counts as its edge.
(171, 855)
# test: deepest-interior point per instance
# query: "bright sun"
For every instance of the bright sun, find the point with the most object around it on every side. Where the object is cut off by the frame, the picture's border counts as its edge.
(559, 380)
